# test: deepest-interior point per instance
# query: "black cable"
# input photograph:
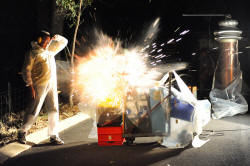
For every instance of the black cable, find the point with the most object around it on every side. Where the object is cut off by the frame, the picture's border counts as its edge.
(208, 133)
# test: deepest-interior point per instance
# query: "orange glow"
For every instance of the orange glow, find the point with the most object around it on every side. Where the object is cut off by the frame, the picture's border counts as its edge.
(105, 74)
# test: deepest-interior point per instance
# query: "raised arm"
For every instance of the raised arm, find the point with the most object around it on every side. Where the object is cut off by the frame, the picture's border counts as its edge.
(57, 44)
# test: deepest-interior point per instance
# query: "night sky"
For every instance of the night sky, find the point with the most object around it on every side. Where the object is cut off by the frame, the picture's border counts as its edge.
(123, 19)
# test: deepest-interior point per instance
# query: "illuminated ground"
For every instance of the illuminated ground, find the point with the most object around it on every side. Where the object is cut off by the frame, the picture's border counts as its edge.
(226, 148)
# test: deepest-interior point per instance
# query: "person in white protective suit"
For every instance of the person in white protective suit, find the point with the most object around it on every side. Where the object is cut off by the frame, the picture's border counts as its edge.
(39, 73)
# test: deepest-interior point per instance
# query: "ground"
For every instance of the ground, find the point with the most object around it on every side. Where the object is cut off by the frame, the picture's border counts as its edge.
(228, 146)
(10, 123)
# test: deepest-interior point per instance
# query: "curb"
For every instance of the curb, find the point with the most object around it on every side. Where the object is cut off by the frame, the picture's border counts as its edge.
(15, 148)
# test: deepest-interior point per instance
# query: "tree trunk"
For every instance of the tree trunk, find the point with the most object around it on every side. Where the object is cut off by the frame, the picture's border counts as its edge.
(72, 55)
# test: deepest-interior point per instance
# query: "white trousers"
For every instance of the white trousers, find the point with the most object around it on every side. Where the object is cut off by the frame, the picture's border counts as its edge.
(47, 95)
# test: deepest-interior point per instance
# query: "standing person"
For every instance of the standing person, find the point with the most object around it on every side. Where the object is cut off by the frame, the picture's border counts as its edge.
(39, 73)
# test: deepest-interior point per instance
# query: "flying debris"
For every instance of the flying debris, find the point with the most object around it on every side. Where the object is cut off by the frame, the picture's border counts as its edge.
(152, 51)
(158, 56)
(147, 47)
(164, 56)
(156, 22)
(151, 32)
(177, 29)
(159, 50)
(178, 39)
(184, 32)
(170, 41)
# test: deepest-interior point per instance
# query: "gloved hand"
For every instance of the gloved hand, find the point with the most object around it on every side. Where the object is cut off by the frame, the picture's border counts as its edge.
(54, 37)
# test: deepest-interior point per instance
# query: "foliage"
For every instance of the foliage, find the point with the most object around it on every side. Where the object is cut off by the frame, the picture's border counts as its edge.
(69, 8)
(10, 123)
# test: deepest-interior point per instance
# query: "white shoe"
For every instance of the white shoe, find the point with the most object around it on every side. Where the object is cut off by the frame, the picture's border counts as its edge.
(56, 140)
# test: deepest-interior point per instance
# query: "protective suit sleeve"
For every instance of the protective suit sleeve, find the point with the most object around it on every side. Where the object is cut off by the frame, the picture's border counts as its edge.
(27, 68)
(57, 44)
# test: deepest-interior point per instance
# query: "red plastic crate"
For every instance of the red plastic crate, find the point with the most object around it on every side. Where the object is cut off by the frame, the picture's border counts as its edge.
(108, 136)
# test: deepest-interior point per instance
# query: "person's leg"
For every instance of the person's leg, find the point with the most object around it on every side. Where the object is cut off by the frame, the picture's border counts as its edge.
(51, 105)
(32, 111)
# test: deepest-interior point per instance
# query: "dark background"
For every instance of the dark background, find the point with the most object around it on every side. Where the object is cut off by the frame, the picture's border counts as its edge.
(126, 20)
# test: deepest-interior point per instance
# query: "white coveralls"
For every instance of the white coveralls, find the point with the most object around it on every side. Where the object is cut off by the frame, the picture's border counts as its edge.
(40, 70)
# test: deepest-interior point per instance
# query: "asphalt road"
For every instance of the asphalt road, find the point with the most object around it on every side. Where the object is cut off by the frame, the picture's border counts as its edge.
(228, 147)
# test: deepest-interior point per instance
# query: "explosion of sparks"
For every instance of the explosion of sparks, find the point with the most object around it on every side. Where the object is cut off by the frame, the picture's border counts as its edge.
(109, 71)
